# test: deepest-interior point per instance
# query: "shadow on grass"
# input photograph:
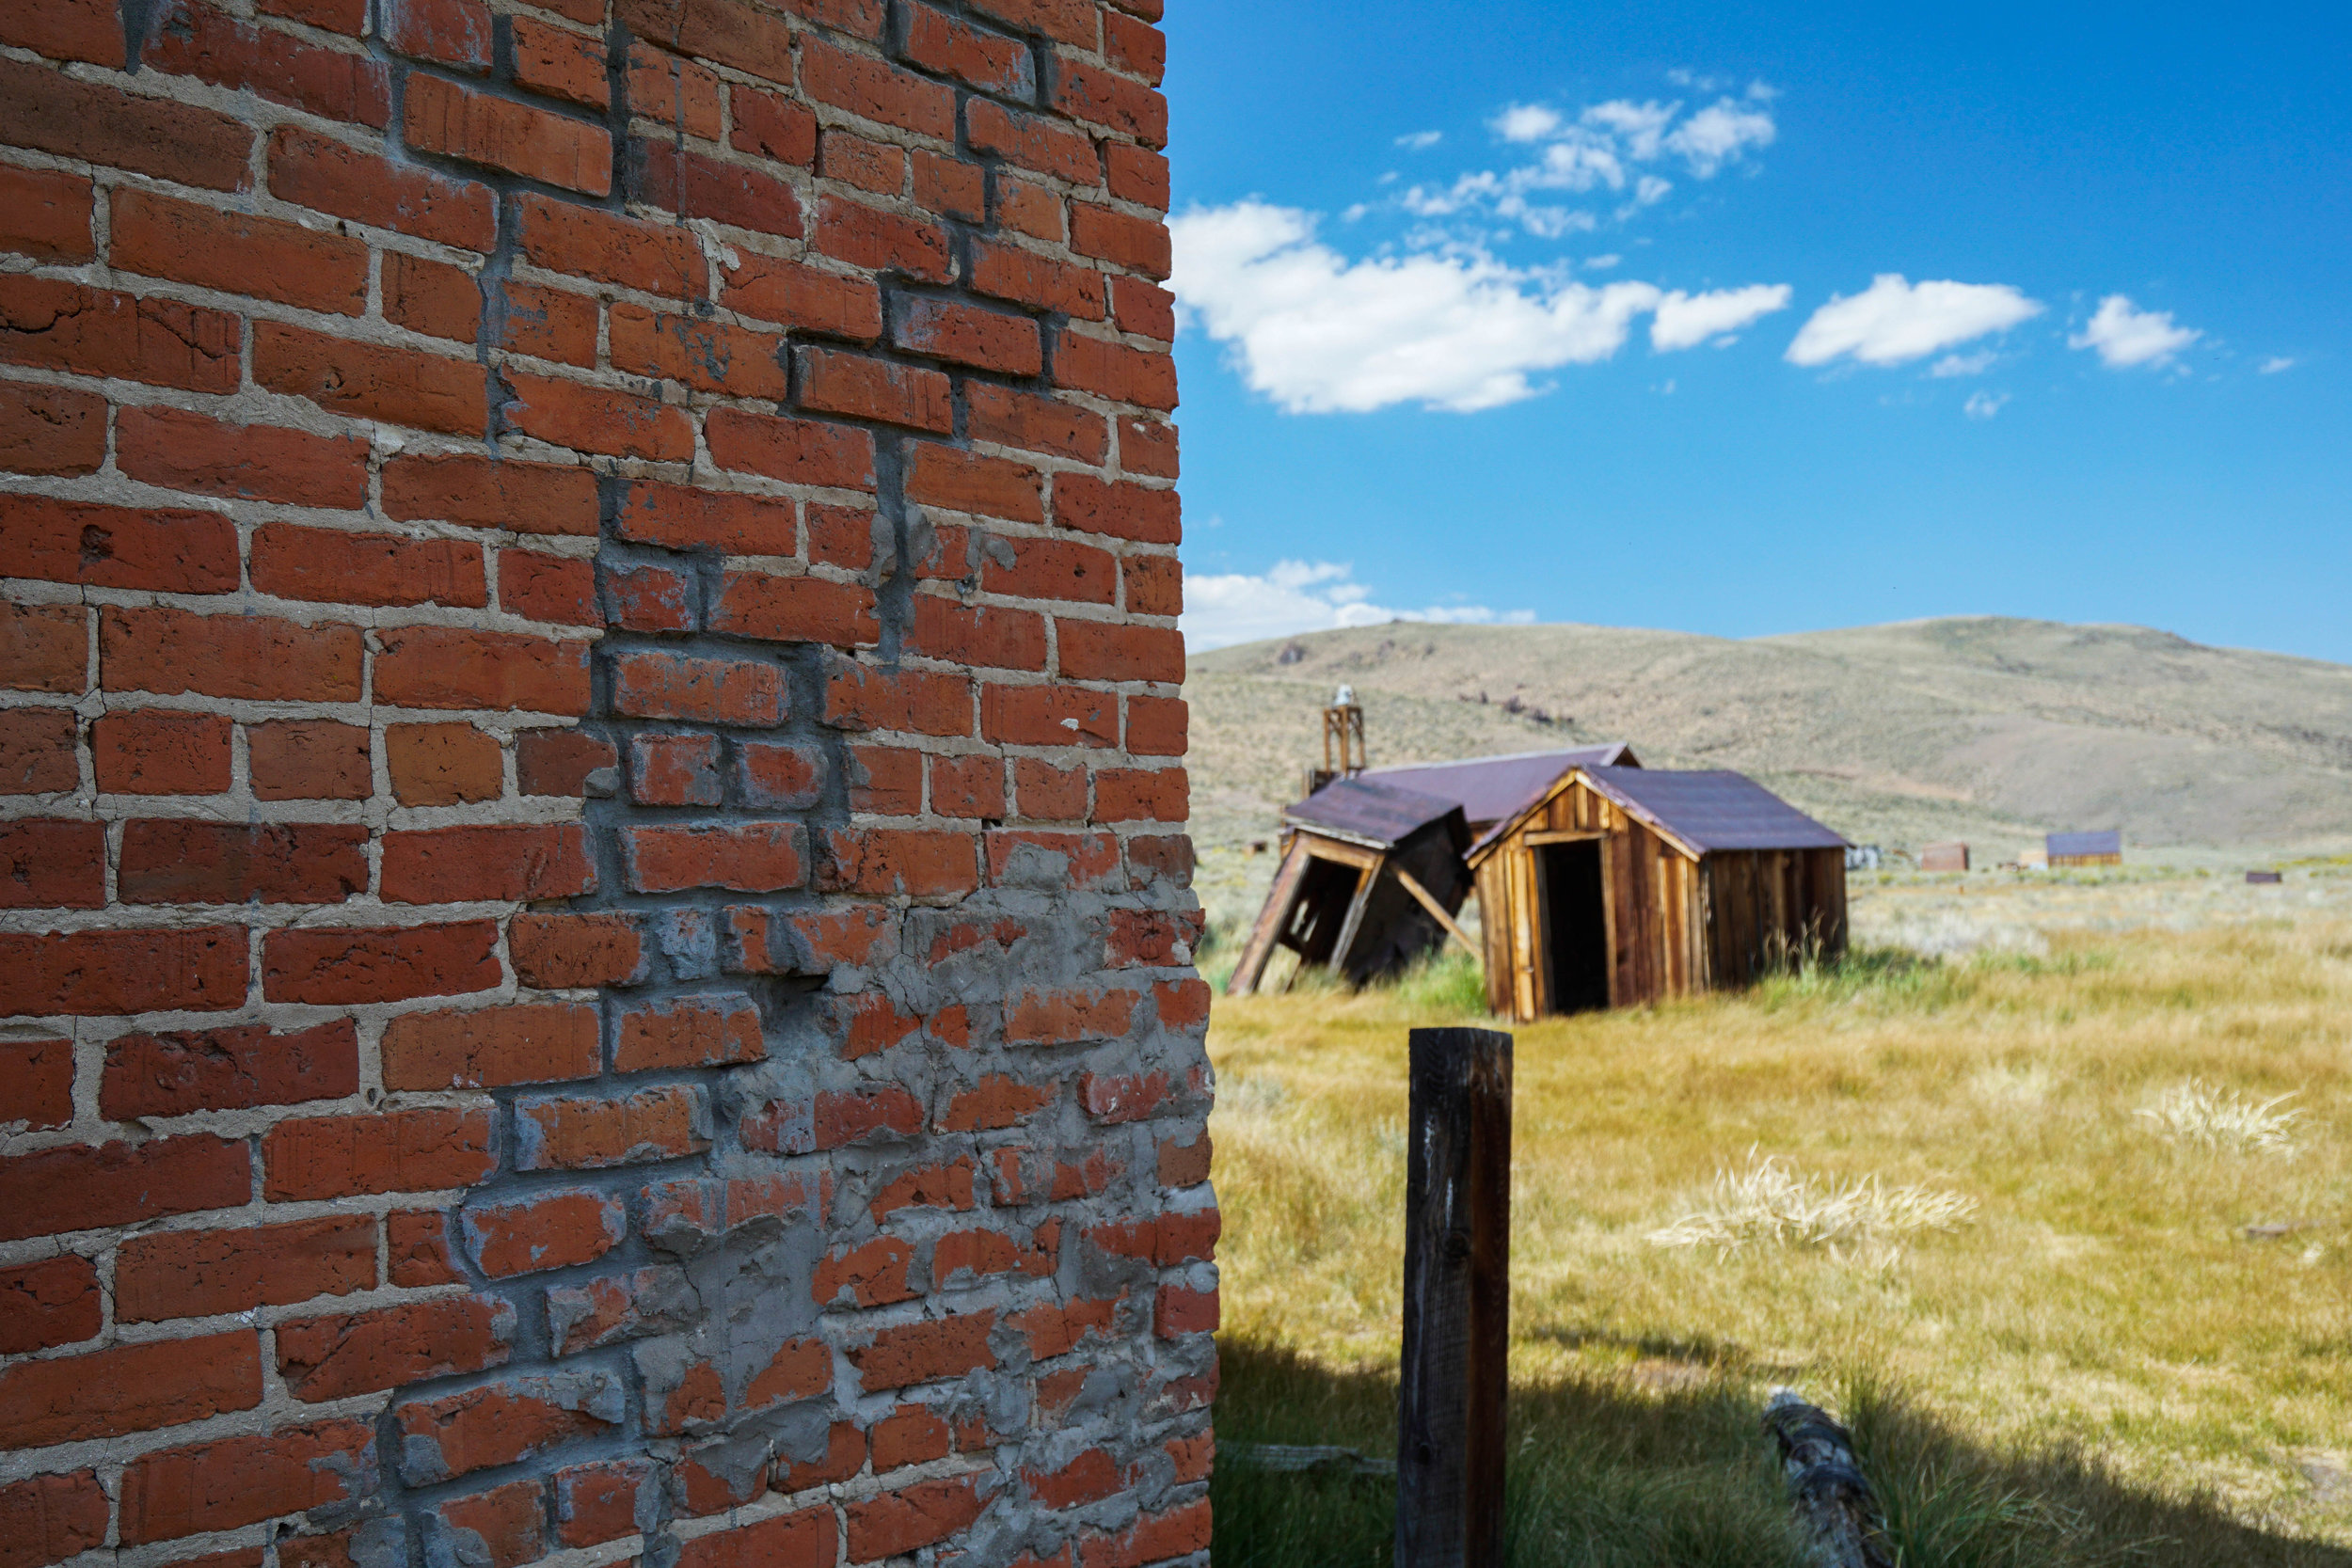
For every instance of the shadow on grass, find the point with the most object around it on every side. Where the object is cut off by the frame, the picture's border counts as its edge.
(1670, 1466)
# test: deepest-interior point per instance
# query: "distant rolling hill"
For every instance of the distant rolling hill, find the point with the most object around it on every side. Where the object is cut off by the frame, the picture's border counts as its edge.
(1988, 730)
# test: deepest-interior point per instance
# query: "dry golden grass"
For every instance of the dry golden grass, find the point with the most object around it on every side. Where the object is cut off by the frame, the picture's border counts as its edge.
(2103, 1298)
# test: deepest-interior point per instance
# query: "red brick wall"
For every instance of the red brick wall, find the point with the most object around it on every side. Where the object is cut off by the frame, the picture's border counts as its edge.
(594, 919)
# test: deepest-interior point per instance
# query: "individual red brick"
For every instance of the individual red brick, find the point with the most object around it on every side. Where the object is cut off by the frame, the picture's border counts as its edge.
(841, 536)
(1143, 308)
(770, 126)
(744, 857)
(590, 418)
(882, 862)
(911, 1518)
(483, 491)
(796, 609)
(1115, 650)
(557, 589)
(1135, 47)
(926, 1351)
(1045, 282)
(502, 1423)
(1142, 795)
(1027, 858)
(1114, 102)
(711, 1030)
(347, 17)
(340, 966)
(561, 64)
(1137, 174)
(52, 1301)
(225, 1070)
(1143, 514)
(1023, 419)
(48, 430)
(852, 385)
(874, 90)
(504, 1528)
(250, 658)
(402, 1151)
(59, 326)
(982, 1254)
(799, 452)
(241, 1481)
(964, 334)
(561, 761)
(202, 1273)
(983, 634)
(357, 1353)
(441, 116)
(1116, 372)
(370, 381)
(855, 160)
(348, 567)
(550, 324)
(674, 770)
(858, 697)
(182, 860)
(584, 1134)
(237, 253)
(710, 356)
(844, 1457)
(330, 175)
(958, 481)
(648, 599)
(551, 1230)
(726, 32)
(583, 242)
(153, 752)
(70, 30)
(82, 1187)
(802, 1540)
(968, 786)
(1053, 569)
(803, 296)
(1155, 586)
(491, 1047)
(453, 33)
(51, 112)
(1063, 21)
(949, 186)
(1153, 1538)
(681, 181)
(1184, 1164)
(782, 776)
(678, 517)
(451, 667)
(681, 94)
(49, 863)
(1057, 1330)
(1031, 207)
(37, 1083)
(1114, 1099)
(1149, 938)
(946, 46)
(874, 1274)
(885, 781)
(1044, 793)
(430, 298)
(565, 951)
(1034, 142)
(997, 1102)
(948, 1186)
(129, 1388)
(505, 863)
(208, 43)
(1087, 1478)
(1060, 1018)
(702, 690)
(443, 765)
(116, 547)
(603, 1501)
(876, 241)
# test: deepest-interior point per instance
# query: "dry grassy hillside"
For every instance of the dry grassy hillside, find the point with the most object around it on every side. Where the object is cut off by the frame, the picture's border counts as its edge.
(1991, 730)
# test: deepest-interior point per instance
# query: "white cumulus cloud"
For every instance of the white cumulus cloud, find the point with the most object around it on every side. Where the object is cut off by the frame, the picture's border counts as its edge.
(1894, 321)
(2126, 337)
(1526, 122)
(1685, 321)
(1293, 596)
(1963, 364)
(2276, 363)
(1419, 141)
(1320, 333)
(1721, 133)
(1983, 406)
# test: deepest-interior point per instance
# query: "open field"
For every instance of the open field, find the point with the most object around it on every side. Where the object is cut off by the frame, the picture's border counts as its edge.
(2097, 1362)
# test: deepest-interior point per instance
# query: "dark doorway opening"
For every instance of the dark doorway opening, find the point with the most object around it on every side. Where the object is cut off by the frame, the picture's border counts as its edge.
(1577, 919)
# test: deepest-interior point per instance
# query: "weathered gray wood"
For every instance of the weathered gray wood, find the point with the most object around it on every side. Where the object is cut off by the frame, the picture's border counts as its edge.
(1365, 881)
(1437, 911)
(1826, 1487)
(1281, 900)
(1293, 1457)
(1457, 1301)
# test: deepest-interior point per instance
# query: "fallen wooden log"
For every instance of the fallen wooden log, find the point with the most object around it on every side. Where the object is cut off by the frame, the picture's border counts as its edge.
(1833, 1500)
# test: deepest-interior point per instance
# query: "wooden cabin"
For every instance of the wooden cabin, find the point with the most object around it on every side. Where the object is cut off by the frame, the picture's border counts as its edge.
(1489, 789)
(1943, 857)
(2078, 850)
(1371, 877)
(1620, 886)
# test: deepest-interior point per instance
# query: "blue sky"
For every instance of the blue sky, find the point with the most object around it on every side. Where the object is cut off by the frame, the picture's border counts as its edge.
(1745, 319)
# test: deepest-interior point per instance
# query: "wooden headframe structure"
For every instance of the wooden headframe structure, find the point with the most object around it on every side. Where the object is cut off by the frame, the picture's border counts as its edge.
(1372, 877)
(1619, 886)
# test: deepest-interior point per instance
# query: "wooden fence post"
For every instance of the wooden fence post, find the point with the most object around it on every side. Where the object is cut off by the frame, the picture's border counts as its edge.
(1457, 1301)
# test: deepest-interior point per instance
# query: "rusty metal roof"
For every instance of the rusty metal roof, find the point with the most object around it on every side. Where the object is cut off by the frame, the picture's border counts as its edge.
(1712, 811)
(2108, 843)
(1491, 789)
(1375, 814)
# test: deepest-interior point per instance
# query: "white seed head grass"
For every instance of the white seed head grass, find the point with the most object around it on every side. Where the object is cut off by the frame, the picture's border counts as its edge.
(1767, 1205)
(2206, 1115)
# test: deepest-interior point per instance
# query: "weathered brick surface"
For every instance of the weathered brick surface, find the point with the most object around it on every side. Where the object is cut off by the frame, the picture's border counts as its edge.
(593, 930)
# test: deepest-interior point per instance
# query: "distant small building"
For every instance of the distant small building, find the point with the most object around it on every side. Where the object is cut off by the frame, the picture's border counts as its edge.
(1619, 886)
(1372, 877)
(2078, 849)
(1943, 857)
(2034, 860)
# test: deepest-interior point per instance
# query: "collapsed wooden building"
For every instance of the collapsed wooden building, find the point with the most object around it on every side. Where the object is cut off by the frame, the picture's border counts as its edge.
(1620, 886)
